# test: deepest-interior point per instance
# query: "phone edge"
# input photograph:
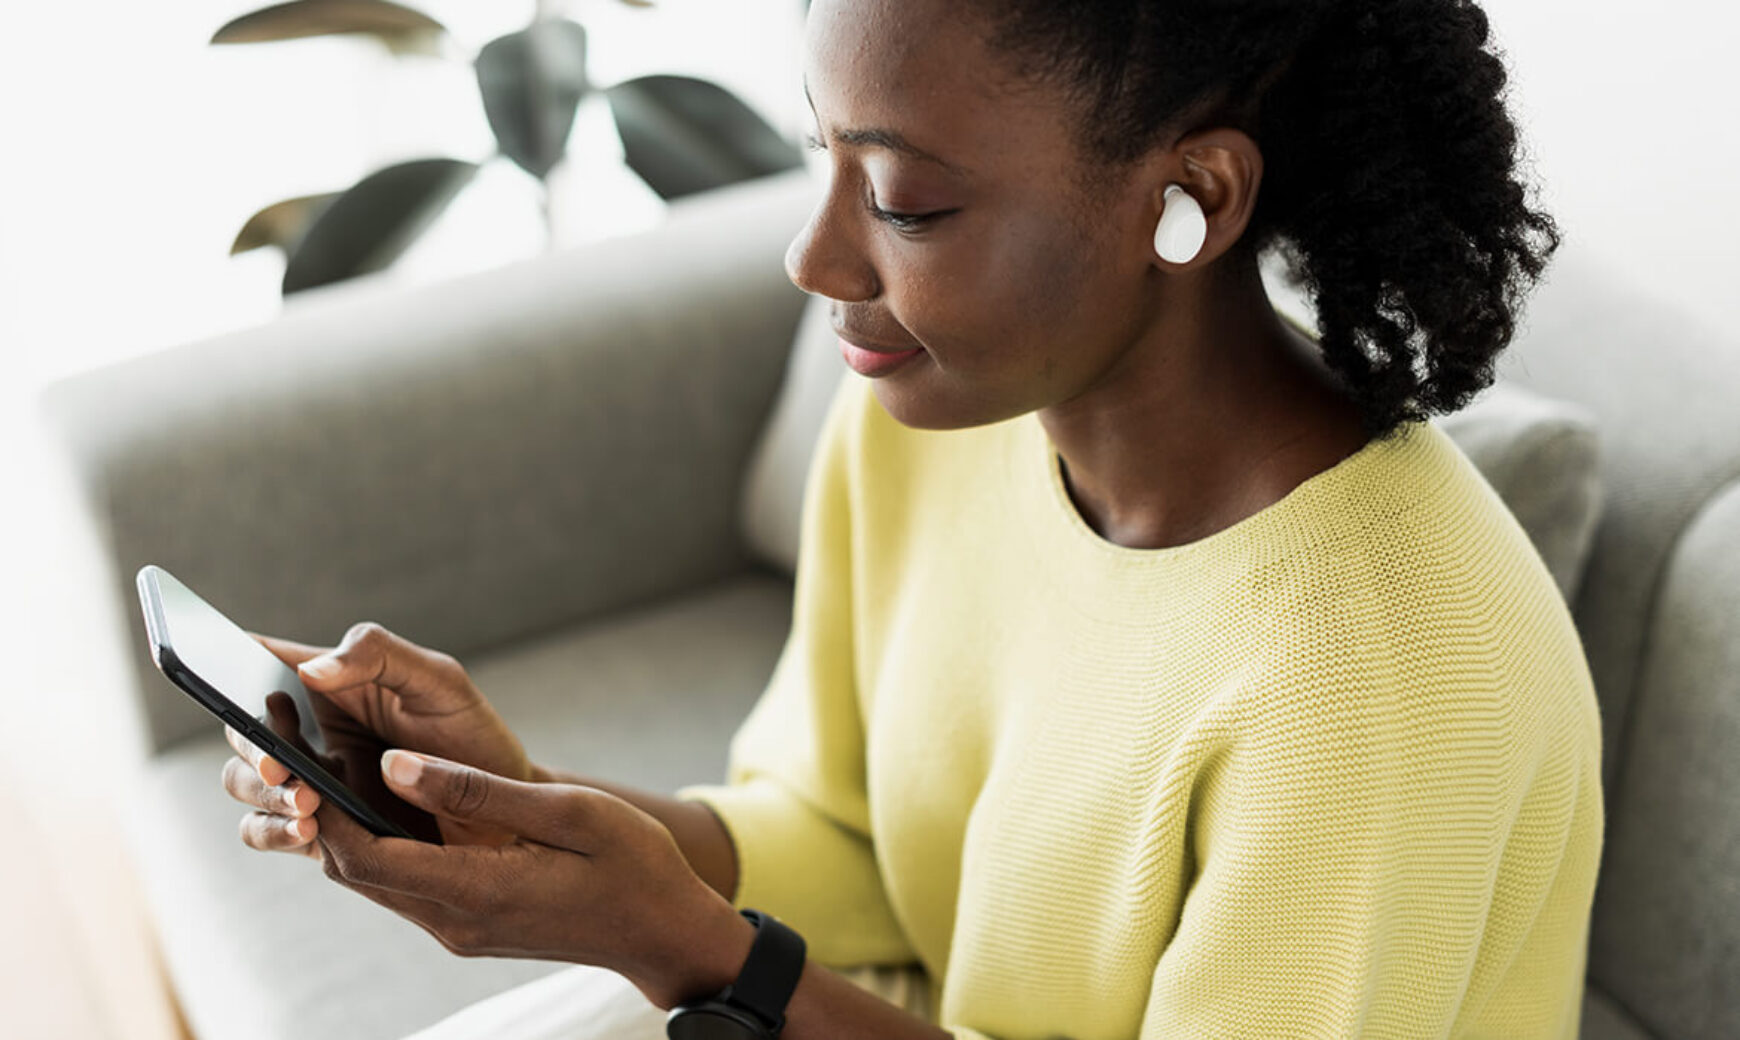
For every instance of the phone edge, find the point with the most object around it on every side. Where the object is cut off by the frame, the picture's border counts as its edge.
(230, 713)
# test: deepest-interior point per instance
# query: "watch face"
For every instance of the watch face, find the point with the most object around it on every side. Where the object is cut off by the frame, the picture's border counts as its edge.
(713, 1022)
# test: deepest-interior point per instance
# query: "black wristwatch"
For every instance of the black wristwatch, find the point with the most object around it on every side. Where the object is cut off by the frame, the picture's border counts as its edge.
(753, 1007)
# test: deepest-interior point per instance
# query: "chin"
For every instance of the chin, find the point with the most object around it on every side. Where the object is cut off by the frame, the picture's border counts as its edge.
(925, 407)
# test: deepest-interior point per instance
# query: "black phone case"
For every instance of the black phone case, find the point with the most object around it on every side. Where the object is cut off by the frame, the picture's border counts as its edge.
(209, 698)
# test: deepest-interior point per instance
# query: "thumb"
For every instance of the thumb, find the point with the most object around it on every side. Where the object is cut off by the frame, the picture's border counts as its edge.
(550, 814)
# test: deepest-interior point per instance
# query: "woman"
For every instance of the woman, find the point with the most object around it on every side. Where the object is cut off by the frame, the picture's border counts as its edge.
(1189, 685)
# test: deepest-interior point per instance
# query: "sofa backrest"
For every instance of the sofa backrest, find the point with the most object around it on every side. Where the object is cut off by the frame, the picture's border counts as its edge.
(471, 463)
(1659, 611)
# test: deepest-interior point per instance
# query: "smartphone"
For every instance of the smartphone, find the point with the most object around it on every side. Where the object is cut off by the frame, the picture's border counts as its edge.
(231, 675)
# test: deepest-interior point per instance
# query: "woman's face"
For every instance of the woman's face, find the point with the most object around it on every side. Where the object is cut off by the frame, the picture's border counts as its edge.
(959, 221)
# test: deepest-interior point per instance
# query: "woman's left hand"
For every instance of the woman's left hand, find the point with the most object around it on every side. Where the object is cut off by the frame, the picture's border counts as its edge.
(591, 879)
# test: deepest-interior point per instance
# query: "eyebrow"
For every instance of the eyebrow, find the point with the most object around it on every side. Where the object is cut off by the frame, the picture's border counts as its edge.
(879, 137)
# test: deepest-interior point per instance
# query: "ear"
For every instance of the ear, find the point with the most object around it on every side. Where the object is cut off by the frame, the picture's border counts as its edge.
(1222, 169)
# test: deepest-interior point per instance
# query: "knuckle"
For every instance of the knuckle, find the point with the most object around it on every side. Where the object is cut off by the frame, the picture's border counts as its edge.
(234, 771)
(467, 792)
(591, 812)
(245, 749)
(357, 868)
(252, 829)
(370, 635)
(448, 665)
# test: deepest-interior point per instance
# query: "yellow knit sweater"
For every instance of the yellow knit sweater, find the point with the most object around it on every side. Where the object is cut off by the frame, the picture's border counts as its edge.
(1331, 772)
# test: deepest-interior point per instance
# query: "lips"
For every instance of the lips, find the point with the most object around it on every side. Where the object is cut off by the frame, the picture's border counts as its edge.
(875, 362)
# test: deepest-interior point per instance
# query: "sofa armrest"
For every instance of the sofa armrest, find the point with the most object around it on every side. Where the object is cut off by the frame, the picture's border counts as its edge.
(467, 463)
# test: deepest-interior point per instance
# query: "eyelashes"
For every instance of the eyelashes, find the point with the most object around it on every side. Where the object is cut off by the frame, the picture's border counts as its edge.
(906, 223)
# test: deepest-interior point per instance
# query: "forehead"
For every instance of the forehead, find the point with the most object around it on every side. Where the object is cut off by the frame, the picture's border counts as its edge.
(924, 69)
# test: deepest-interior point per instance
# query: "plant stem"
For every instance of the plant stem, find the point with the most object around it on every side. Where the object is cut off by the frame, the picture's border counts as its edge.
(547, 202)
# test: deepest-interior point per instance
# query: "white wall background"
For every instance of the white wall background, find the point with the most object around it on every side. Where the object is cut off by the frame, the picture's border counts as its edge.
(134, 151)
(1631, 111)
(130, 151)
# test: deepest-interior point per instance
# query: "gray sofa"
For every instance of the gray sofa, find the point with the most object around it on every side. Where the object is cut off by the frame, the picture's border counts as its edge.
(540, 469)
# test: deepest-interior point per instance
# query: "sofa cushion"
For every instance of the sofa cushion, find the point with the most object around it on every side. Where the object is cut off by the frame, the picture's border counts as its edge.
(502, 454)
(773, 488)
(1666, 932)
(1603, 1020)
(1663, 387)
(264, 946)
(1541, 456)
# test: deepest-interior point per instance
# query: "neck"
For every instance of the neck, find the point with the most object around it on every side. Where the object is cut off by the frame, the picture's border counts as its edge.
(1217, 410)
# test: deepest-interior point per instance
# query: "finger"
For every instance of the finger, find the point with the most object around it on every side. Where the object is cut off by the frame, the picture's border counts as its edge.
(291, 653)
(243, 783)
(297, 654)
(371, 654)
(286, 721)
(359, 859)
(460, 876)
(551, 814)
(270, 769)
(269, 833)
(445, 890)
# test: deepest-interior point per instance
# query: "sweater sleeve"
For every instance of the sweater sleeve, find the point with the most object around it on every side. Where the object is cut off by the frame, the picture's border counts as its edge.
(795, 801)
(1350, 860)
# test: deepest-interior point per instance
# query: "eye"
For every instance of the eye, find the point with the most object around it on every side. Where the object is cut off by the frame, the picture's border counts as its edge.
(814, 143)
(906, 222)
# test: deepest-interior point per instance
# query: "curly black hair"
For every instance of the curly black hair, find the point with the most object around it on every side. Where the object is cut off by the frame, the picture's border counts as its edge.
(1391, 186)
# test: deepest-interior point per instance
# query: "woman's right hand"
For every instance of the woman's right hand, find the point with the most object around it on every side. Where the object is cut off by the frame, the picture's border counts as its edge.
(373, 691)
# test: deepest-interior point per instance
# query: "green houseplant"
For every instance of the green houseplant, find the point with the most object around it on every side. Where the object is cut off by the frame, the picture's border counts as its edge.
(680, 135)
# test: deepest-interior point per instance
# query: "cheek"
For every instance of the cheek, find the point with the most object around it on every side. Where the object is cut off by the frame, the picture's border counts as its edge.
(1026, 293)
(1018, 314)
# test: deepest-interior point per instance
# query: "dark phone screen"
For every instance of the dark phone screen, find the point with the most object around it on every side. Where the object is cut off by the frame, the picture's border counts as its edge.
(215, 649)
(191, 636)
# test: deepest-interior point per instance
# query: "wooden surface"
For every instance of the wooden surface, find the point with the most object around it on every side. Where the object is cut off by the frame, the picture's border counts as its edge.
(77, 961)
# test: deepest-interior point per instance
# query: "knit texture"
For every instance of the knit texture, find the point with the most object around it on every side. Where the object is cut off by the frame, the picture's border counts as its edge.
(1330, 772)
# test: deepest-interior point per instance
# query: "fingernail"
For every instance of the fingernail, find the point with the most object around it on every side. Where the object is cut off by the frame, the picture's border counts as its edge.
(402, 767)
(298, 827)
(290, 799)
(324, 667)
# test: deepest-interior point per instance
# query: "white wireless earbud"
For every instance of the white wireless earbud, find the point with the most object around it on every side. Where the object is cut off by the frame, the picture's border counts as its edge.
(1182, 227)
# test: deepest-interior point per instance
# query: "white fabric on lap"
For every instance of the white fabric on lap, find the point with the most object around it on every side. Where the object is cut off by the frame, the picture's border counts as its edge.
(581, 1003)
(596, 1004)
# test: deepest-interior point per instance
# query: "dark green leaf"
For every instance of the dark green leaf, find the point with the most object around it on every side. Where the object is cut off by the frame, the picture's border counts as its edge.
(685, 135)
(532, 82)
(368, 227)
(282, 224)
(400, 28)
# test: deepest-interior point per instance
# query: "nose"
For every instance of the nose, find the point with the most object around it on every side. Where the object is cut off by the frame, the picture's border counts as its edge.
(827, 258)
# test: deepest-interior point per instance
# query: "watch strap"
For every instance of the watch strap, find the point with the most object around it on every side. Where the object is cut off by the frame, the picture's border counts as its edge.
(771, 971)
